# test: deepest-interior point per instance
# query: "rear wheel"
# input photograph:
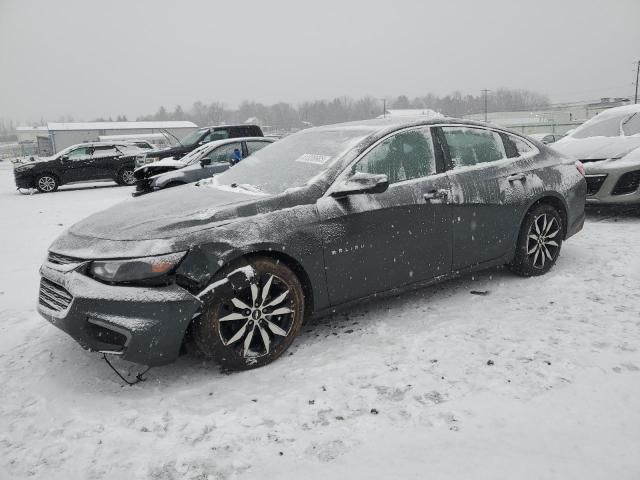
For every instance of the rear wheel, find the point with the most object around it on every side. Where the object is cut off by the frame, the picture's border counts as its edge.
(250, 322)
(539, 242)
(46, 183)
(126, 176)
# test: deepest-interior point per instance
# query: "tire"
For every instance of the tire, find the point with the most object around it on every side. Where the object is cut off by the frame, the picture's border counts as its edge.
(235, 329)
(47, 183)
(126, 177)
(539, 242)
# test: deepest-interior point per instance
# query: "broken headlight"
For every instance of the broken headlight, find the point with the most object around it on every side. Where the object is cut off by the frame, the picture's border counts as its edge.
(135, 269)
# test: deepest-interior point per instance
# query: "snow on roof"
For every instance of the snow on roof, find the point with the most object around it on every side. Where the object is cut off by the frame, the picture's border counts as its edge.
(618, 111)
(119, 125)
(413, 112)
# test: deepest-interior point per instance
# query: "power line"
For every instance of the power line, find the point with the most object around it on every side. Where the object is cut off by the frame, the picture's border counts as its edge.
(635, 101)
(485, 91)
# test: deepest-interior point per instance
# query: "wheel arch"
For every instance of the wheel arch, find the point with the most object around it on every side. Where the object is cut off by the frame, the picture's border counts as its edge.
(556, 201)
(291, 262)
(52, 173)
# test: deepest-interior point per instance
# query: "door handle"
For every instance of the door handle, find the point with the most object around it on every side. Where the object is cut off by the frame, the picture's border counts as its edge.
(435, 194)
(516, 177)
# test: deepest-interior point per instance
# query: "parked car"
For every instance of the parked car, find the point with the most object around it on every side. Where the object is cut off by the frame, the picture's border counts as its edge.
(205, 161)
(206, 135)
(546, 138)
(86, 162)
(609, 147)
(312, 223)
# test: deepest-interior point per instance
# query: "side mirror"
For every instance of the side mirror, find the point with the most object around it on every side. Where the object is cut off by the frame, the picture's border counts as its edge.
(205, 162)
(64, 158)
(361, 183)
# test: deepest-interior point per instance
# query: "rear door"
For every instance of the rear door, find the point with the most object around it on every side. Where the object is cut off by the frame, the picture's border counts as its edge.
(377, 242)
(105, 162)
(489, 192)
(255, 145)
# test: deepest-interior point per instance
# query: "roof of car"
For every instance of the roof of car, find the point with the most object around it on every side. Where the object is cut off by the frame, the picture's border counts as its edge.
(229, 126)
(385, 125)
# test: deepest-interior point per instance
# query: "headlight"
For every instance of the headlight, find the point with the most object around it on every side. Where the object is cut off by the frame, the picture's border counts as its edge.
(133, 269)
(24, 168)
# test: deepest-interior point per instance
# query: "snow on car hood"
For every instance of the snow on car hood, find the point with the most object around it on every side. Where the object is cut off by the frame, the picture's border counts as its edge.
(161, 164)
(593, 148)
(165, 214)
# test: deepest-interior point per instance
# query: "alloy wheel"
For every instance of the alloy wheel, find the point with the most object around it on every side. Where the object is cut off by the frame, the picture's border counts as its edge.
(542, 240)
(128, 177)
(257, 318)
(46, 184)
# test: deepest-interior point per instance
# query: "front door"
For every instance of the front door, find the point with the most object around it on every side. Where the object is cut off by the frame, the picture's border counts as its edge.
(377, 242)
(76, 165)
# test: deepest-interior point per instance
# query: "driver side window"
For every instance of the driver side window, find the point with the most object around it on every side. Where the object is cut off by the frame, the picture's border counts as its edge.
(401, 157)
(79, 153)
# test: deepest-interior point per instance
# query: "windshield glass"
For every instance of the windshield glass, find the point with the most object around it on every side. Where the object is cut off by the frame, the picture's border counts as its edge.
(601, 126)
(195, 155)
(291, 162)
(193, 137)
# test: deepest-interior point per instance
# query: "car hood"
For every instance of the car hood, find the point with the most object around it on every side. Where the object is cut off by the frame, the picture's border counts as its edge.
(163, 164)
(597, 148)
(167, 214)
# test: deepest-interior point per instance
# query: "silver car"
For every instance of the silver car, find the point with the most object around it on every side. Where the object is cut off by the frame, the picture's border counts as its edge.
(203, 162)
(609, 147)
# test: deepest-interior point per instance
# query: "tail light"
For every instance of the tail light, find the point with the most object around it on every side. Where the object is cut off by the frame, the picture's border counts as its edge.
(580, 168)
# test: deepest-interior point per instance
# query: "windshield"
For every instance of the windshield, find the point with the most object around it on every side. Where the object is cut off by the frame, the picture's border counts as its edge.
(601, 126)
(195, 155)
(291, 162)
(193, 137)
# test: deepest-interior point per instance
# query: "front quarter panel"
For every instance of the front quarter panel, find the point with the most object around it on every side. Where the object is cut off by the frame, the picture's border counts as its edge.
(291, 232)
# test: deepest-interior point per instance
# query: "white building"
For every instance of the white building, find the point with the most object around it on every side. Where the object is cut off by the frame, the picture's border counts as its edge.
(62, 135)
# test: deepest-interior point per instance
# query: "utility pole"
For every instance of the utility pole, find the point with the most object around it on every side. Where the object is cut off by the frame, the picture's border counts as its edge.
(637, 76)
(384, 108)
(485, 92)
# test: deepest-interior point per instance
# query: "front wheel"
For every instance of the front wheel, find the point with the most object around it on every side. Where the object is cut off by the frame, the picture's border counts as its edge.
(247, 324)
(126, 177)
(46, 183)
(539, 242)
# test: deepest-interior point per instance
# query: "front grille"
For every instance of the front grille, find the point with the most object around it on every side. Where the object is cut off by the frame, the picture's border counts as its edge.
(53, 296)
(143, 185)
(627, 183)
(594, 182)
(62, 259)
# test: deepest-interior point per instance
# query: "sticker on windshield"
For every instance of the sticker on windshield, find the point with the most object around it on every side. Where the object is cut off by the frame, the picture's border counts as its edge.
(313, 158)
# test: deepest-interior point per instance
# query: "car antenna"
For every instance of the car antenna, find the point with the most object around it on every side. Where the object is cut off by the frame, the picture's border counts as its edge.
(138, 375)
(169, 133)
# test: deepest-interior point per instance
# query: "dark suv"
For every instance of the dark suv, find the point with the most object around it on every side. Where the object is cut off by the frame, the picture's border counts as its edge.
(206, 135)
(79, 163)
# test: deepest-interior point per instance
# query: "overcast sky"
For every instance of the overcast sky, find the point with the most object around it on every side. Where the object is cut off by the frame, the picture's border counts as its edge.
(103, 58)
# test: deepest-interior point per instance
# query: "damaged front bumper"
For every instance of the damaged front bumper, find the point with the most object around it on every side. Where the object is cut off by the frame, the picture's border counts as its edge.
(145, 325)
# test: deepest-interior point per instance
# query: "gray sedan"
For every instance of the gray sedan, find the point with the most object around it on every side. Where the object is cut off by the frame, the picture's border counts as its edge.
(310, 224)
(204, 162)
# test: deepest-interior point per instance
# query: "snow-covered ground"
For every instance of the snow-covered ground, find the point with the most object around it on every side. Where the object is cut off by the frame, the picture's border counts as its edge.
(537, 379)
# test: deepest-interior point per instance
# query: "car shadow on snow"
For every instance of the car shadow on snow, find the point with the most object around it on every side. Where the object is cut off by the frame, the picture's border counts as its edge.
(362, 319)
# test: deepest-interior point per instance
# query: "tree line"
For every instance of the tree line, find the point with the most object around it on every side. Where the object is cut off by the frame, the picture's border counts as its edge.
(285, 116)
(343, 109)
